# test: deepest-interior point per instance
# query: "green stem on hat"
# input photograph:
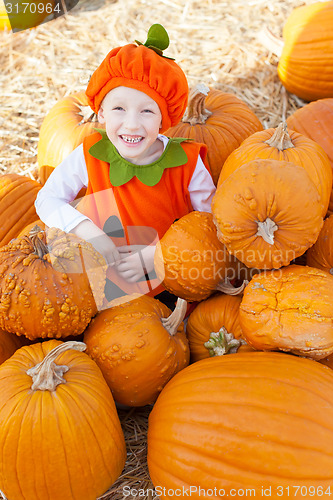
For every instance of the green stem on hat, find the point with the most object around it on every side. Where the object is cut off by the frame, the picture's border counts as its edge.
(157, 39)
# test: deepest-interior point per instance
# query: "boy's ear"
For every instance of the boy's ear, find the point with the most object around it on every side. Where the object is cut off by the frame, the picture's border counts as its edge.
(100, 115)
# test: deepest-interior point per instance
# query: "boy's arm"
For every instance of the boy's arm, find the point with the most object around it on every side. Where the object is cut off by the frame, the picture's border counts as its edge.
(88, 231)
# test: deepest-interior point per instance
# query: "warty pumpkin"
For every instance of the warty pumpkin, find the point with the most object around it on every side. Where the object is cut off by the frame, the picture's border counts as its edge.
(213, 328)
(17, 197)
(305, 66)
(247, 421)
(60, 435)
(191, 261)
(320, 255)
(63, 129)
(268, 212)
(315, 120)
(218, 119)
(51, 284)
(289, 309)
(139, 345)
(286, 145)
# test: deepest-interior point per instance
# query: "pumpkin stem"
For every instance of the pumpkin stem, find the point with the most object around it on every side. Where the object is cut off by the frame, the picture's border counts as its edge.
(172, 322)
(222, 342)
(35, 236)
(46, 375)
(196, 113)
(271, 42)
(227, 288)
(281, 138)
(266, 230)
(87, 115)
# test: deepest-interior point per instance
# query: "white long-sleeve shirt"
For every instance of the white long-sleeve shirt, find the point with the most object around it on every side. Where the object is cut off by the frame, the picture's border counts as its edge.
(53, 203)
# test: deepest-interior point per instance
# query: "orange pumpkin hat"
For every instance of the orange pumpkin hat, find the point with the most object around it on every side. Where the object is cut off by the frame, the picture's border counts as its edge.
(145, 68)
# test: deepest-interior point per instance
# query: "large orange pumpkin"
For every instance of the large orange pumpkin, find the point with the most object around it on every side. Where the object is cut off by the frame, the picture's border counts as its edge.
(268, 212)
(51, 284)
(243, 423)
(60, 435)
(315, 120)
(281, 144)
(305, 67)
(63, 129)
(138, 345)
(17, 210)
(219, 120)
(320, 255)
(190, 260)
(290, 310)
(213, 328)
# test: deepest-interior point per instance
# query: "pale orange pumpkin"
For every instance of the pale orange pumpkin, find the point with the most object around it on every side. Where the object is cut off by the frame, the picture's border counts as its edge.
(213, 328)
(289, 309)
(139, 345)
(244, 422)
(315, 120)
(281, 144)
(191, 261)
(305, 66)
(60, 434)
(218, 119)
(268, 212)
(63, 129)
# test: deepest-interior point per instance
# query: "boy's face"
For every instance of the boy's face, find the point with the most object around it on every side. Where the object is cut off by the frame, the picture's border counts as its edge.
(132, 122)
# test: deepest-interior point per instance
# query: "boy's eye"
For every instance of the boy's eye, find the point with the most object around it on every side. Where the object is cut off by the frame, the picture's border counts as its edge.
(147, 111)
(118, 108)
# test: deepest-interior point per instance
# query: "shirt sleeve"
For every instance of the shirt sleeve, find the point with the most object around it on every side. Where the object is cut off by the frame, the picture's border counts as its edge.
(201, 188)
(53, 202)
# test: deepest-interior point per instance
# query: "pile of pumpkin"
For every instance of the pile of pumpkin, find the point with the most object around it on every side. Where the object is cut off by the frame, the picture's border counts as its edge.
(254, 408)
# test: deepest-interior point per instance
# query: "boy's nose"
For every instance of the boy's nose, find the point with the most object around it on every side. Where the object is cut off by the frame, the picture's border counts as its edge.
(132, 121)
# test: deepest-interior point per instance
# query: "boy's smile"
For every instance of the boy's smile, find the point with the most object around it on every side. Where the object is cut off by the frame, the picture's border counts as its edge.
(132, 123)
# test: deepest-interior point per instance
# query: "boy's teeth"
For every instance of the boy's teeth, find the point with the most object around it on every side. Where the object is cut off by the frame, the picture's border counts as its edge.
(131, 139)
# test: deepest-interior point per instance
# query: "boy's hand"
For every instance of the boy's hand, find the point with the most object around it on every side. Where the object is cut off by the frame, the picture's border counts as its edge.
(136, 261)
(88, 231)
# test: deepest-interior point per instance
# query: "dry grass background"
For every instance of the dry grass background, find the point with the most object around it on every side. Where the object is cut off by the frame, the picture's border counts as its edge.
(215, 41)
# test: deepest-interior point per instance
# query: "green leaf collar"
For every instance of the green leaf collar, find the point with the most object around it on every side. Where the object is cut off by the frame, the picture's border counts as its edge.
(122, 171)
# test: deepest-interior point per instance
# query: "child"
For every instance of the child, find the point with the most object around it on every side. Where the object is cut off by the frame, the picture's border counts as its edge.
(138, 181)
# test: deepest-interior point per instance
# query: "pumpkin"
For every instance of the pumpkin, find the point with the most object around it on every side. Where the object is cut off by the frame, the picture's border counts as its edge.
(218, 119)
(63, 129)
(290, 310)
(281, 144)
(305, 66)
(249, 421)
(320, 255)
(17, 209)
(22, 15)
(139, 345)
(9, 343)
(60, 434)
(327, 361)
(51, 284)
(190, 260)
(315, 120)
(213, 328)
(30, 227)
(268, 212)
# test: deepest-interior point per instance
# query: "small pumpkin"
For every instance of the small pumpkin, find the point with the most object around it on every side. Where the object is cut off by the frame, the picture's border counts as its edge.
(315, 120)
(190, 260)
(320, 255)
(305, 66)
(286, 145)
(249, 420)
(17, 197)
(289, 309)
(268, 212)
(60, 434)
(51, 284)
(63, 129)
(218, 119)
(139, 345)
(213, 328)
